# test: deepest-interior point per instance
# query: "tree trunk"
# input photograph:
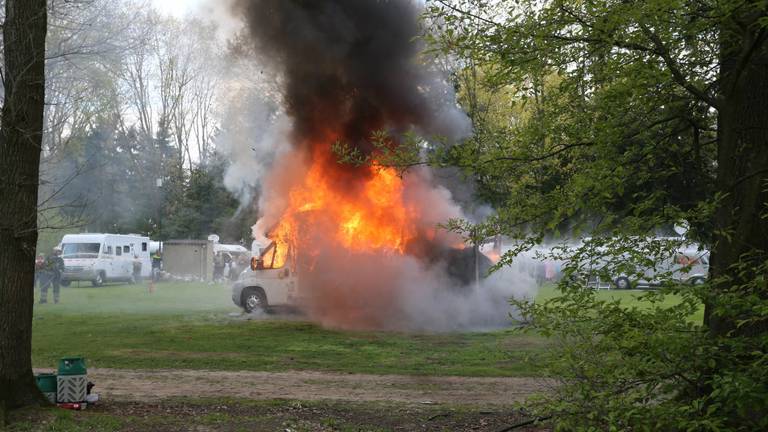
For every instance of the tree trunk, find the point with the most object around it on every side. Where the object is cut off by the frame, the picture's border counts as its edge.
(741, 228)
(24, 34)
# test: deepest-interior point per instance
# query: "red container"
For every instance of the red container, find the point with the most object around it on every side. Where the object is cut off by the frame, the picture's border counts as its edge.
(73, 406)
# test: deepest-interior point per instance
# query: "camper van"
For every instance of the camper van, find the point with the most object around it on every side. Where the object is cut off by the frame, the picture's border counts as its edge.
(263, 284)
(100, 258)
(689, 264)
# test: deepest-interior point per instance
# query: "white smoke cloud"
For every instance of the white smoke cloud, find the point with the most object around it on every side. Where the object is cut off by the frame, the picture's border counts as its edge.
(431, 302)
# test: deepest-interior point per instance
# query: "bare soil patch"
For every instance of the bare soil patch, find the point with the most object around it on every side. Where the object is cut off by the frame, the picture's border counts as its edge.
(149, 385)
(227, 415)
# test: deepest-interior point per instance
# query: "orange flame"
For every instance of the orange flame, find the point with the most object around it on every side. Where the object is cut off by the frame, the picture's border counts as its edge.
(369, 216)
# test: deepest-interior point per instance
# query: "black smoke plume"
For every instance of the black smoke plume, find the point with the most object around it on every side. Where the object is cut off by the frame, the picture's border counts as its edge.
(351, 67)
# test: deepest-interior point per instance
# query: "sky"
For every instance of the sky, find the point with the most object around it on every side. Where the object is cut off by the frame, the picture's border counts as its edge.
(178, 8)
(213, 10)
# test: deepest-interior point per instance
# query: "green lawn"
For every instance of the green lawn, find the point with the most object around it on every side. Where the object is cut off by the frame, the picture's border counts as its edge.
(190, 325)
(196, 326)
(628, 298)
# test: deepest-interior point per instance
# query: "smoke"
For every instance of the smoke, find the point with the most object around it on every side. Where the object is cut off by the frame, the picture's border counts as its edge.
(360, 58)
(349, 68)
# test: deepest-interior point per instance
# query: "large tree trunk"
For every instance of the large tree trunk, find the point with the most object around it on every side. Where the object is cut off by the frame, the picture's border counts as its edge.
(742, 173)
(24, 34)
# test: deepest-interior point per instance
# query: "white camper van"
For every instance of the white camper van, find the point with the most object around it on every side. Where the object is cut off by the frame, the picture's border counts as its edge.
(689, 264)
(100, 258)
(263, 284)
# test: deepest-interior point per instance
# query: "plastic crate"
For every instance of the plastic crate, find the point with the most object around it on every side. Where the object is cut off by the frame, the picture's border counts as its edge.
(47, 383)
(71, 388)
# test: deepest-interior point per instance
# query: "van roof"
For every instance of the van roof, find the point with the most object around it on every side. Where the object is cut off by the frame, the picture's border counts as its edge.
(97, 237)
(229, 248)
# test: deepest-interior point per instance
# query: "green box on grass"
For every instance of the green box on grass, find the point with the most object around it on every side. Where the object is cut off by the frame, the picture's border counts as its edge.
(46, 382)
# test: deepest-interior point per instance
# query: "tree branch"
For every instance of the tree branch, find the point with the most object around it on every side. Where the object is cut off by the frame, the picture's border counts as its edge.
(674, 68)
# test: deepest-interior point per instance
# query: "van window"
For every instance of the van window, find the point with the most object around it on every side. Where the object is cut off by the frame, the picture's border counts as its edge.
(143, 246)
(272, 257)
(107, 250)
(118, 251)
(126, 249)
(80, 250)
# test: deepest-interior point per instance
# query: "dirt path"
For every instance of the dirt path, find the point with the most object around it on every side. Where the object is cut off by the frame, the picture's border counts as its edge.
(118, 384)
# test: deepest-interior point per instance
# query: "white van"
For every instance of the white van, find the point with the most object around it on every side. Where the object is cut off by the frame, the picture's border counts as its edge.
(263, 285)
(100, 258)
(690, 264)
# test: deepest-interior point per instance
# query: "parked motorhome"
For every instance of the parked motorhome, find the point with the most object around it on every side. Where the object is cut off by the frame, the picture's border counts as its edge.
(100, 258)
(689, 264)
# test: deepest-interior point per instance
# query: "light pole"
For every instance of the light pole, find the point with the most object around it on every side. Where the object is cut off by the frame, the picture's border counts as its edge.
(159, 184)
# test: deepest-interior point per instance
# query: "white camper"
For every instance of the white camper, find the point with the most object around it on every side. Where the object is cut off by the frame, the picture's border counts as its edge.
(263, 284)
(100, 258)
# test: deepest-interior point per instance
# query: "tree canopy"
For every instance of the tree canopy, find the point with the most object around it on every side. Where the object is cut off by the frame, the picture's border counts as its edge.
(607, 123)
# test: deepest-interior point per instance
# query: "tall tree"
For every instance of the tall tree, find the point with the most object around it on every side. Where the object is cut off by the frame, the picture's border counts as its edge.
(638, 115)
(24, 32)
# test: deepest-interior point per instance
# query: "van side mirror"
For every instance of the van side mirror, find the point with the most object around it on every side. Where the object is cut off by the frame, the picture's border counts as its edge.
(257, 264)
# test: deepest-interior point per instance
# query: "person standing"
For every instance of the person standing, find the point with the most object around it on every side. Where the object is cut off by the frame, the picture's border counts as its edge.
(157, 266)
(39, 266)
(54, 267)
(218, 266)
(136, 269)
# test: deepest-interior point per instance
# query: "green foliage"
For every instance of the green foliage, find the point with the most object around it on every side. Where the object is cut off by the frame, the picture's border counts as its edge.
(601, 118)
(202, 205)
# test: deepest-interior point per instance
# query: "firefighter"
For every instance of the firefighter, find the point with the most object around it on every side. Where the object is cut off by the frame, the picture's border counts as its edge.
(218, 266)
(54, 267)
(157, 266)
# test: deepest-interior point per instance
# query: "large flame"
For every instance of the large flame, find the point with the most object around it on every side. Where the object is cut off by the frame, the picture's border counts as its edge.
(369, 216)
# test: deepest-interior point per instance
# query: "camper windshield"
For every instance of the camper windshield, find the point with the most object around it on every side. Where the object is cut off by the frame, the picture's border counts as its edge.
(80, 250)
(268, 257)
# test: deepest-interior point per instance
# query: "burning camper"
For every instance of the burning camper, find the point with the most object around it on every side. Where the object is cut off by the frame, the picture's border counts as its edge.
(267, 282)
(358, 245)
(274, 275)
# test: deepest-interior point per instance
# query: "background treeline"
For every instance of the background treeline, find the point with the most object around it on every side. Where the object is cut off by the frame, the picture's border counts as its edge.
(133, 106)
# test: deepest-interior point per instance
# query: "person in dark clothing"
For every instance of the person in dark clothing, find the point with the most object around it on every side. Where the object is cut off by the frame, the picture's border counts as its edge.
(54, 267)
(218, 266)
(39, 265)
(157, 266)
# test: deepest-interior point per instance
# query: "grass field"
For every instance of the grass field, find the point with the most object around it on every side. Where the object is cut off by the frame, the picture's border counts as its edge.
(191, 325)
(628, 298)
(196, 326)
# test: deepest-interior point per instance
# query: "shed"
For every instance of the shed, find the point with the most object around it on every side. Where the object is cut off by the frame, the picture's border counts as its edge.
(188, 258)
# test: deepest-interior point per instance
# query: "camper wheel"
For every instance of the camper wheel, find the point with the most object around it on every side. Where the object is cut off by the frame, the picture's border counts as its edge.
(254, 299)
(98, 280)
